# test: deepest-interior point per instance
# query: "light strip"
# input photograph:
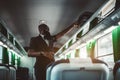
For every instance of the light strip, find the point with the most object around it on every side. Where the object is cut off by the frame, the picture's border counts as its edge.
(109, 29)
(14, 53)
(119, 22)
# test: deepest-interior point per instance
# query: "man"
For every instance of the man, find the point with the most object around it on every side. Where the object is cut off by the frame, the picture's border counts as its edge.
(43, 51)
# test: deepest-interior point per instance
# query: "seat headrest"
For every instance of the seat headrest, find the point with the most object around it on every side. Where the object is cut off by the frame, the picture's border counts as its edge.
(81, 60)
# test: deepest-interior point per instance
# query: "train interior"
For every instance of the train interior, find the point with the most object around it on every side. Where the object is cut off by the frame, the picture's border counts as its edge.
(89, 52)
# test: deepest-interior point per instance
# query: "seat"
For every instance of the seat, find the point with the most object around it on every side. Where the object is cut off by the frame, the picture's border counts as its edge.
(116, 71)
(4, 72)
(12, 72)
(78, 69)
(51, 65)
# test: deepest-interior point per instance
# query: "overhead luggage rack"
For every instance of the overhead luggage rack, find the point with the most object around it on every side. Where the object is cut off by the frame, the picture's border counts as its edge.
(9, 40)
(95, 26)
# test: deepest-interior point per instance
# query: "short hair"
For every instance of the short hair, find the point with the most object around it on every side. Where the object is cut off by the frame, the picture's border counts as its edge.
(43, 27)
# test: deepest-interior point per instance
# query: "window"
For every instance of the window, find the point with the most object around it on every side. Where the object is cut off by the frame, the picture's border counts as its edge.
(73, 54)
(85, 29)
(108, 59)
(105, 45)
(83, 52)
(105, 49)
(10, 56)
(0, 54)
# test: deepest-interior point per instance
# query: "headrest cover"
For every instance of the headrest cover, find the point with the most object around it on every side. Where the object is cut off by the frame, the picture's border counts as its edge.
(81, 60)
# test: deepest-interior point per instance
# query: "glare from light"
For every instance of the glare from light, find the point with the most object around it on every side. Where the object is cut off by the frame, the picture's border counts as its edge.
(62, 56)
(80, 45)
(109, 29)
(105, 32)
(72, 53)
(83, 52)
(1, 43)
(98, 36)
(119, 22)
(14, 53)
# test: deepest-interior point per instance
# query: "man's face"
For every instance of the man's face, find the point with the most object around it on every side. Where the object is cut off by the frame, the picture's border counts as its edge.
(42, 31)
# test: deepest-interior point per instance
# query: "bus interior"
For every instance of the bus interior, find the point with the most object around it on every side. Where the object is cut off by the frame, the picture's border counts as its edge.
(89, 52)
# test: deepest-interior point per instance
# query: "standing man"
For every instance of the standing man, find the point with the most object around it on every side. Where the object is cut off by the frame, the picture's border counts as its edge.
(43, 51)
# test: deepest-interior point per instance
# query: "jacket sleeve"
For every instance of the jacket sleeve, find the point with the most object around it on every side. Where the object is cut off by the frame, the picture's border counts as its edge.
(32, 43)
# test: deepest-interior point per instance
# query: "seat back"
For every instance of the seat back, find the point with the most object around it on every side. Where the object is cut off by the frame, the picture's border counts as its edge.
(12, 72)
(51, 65)
(4, 72)
(78, 69)
(79, 72)
(116, 71)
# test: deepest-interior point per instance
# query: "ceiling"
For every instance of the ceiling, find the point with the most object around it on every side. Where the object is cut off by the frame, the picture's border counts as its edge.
(22, 17)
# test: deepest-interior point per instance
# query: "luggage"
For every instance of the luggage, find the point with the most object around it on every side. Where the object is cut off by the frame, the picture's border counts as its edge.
(22, 73)
(84, 17)
(93, 23)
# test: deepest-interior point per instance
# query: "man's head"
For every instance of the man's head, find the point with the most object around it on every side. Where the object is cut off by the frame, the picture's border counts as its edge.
(43, 28)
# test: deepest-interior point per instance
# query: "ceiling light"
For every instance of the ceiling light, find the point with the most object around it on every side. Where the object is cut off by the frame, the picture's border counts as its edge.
(42, 22)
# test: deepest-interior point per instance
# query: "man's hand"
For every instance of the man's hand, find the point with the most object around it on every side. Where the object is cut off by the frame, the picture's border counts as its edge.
(76, 25)
(50, 55)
